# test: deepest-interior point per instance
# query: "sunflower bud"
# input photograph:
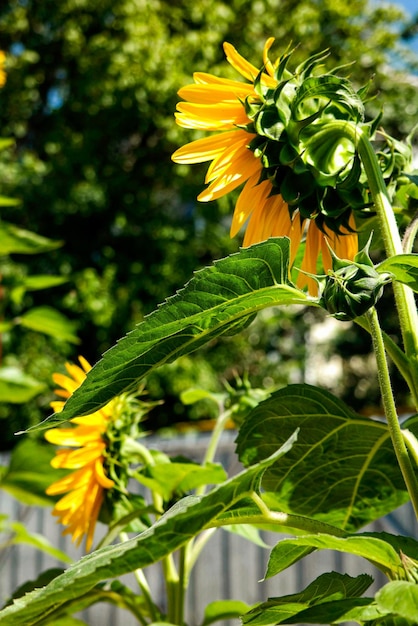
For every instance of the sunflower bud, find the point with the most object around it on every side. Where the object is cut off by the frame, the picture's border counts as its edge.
(352, 287)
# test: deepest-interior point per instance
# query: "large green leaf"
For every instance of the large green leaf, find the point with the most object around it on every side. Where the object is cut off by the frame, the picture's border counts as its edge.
(182, 522)
(14, 240)
(324, 592)
(373, 547)
(43, 281)
(342, 469)
(224, 610)
(399, 597)
(403, 267)
(170, 479)
(17, 387)
(6, 201)
(219, 299)
(47, 320)
(29, 472)
(18, 533)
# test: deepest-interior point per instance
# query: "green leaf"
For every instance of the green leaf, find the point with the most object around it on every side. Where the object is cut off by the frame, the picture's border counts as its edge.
(349, 456)
(222, 610)
(17, 387)
(218, 300)
(248, 532)
(332, 88)
(191, 396)
(324, 591)
(30, 472)
(403, 267)
(43, 579)
(6, 143)
(14, 240)
(183, 521)
(20, 534)
(43, 281)
(47, 320)
(373, 548)
(170, 479)
(6, 201)
(399, 597)
(68, 620)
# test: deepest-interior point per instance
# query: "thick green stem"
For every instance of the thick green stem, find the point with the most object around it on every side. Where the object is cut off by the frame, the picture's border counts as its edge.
(210, 453)
(143, 585)
(404, 296)
(182, 586)
(172, 587)
(393, 350)
(390, 410)
(196, 545)
(411, 443)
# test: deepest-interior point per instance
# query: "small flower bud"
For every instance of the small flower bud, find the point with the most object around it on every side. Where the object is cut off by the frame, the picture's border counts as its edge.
(351, 289)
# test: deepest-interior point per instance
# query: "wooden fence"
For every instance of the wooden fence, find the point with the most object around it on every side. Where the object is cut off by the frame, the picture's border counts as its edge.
(229, 567)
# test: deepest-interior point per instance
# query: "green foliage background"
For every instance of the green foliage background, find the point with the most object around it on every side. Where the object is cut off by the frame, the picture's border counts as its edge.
(89, 100)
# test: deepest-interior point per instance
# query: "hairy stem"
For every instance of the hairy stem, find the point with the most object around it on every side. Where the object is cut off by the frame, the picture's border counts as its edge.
(143, 585)
(389, 406)
(404, 296)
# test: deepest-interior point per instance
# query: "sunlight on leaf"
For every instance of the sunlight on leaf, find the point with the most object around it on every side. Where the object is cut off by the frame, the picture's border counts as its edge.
(217, 301)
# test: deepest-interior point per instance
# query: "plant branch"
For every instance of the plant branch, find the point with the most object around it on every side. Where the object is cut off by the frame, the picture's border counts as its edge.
(143, 585)
(410, 234)
(280, 519)
(390, 410)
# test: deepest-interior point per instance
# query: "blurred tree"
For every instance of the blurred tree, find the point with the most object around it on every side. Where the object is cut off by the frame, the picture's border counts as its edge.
(90, 98)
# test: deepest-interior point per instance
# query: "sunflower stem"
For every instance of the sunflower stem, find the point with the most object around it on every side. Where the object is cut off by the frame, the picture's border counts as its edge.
(171, 578)
(193, 547)
(388, 401)
(142, 584)
(182, 586)
(212, 447)
(404, 296)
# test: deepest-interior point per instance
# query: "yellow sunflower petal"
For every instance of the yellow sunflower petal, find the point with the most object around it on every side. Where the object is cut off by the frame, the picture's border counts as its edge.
(202, 78)
(65, 382)
(102, 479)
(252, 194)
(76, 373)
(2, 72)
(270, 218)
(205, 149)
(210, 116)
(79, 436)
(72, 481)
(244, 67)
(239, 171)
(84, 364)
(314, 239)
(215, 93)
(231, 155)
(57, 406)
(94, 514)
(75, 459)
(345, 245)
(98, 420)
(267, 63)
(295, 234)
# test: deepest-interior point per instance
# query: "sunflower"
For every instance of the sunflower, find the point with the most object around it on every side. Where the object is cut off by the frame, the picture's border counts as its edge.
(84, 452)
(219, 104)
(2, 71)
